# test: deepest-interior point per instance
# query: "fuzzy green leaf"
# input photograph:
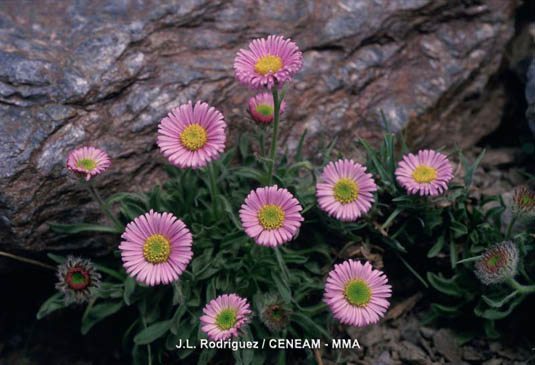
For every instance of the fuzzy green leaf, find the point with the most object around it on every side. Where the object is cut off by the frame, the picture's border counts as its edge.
(97, 313)
(82, 227)
(152, 333)
(446, 286)
(53, 303)
(437, 247)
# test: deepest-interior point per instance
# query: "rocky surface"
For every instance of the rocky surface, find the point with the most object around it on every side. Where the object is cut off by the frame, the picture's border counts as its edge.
(405, 341)
(105, 72)
(530, 96)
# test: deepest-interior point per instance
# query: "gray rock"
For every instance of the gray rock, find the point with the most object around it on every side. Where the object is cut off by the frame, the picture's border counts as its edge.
(105, 72)
(530, 95)
(410, 332)
(444, 341)
(412, 353)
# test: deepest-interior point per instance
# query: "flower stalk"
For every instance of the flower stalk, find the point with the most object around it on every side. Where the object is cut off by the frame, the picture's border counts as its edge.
(276, 117)
(524, 289)
(106, 210)
(282, 266)
(26, 260)
(213, 189)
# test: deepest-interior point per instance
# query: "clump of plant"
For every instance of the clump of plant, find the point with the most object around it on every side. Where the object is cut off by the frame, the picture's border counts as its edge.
(239, 244)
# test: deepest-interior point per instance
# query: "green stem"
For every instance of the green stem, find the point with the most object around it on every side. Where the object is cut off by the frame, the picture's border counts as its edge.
(262, 146)
(282, 265)
(510, 227)
(213, 189)
(94, 193)
(28, 261)
(109, 271)
(521, 288)
(276, 112)
(469, 259)
(149, 350)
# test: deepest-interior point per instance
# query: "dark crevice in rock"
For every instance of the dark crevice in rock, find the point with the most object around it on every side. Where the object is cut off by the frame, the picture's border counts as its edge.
(513, 130)
(326, 48)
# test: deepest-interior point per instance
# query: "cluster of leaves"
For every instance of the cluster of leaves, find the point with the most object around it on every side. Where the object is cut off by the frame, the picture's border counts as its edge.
(443, 237)
(225, 260)
(419, 231)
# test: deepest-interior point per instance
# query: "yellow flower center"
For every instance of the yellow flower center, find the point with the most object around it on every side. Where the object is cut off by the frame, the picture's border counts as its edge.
(268, 63)
(226, 319)
(346, 191)
(424, 174)
(271, 216)
(193, 137)
(358, 293)
(87, 164)
(156, 249)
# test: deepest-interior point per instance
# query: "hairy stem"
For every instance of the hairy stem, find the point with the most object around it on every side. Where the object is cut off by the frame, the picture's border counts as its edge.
(213, 189)
(521, 288)
(510, 227)
(94, 193)
(273, 149)
(282, 266)
(26, 260)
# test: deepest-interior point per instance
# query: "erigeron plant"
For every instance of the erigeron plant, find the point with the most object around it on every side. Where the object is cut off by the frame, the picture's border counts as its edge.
(199, 253)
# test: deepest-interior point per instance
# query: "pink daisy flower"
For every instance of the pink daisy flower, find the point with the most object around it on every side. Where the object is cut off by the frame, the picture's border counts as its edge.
(356, 293)
(427, 173)
(224, 316)
(262, 107)
(345, 190)
(271, 216)
(88, 161)
(267, 61)
(156, 248)
(192, 136)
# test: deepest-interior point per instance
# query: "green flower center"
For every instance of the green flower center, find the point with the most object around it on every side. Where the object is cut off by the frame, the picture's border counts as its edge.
(358, 293)
(527, 200)
(77, 278)
(276, 313)
(264, 109)
(87, 164)
(226, 319)
(346, 191)
(156, 249)
(424, 174)
(495, 261)
(268, 63)
(193, 137)
(271, 216)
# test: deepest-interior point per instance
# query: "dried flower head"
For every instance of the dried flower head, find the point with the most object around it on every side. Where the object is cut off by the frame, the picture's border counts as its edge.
(524, 199)
(77, 279)
(274, 313)
(498, 263)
